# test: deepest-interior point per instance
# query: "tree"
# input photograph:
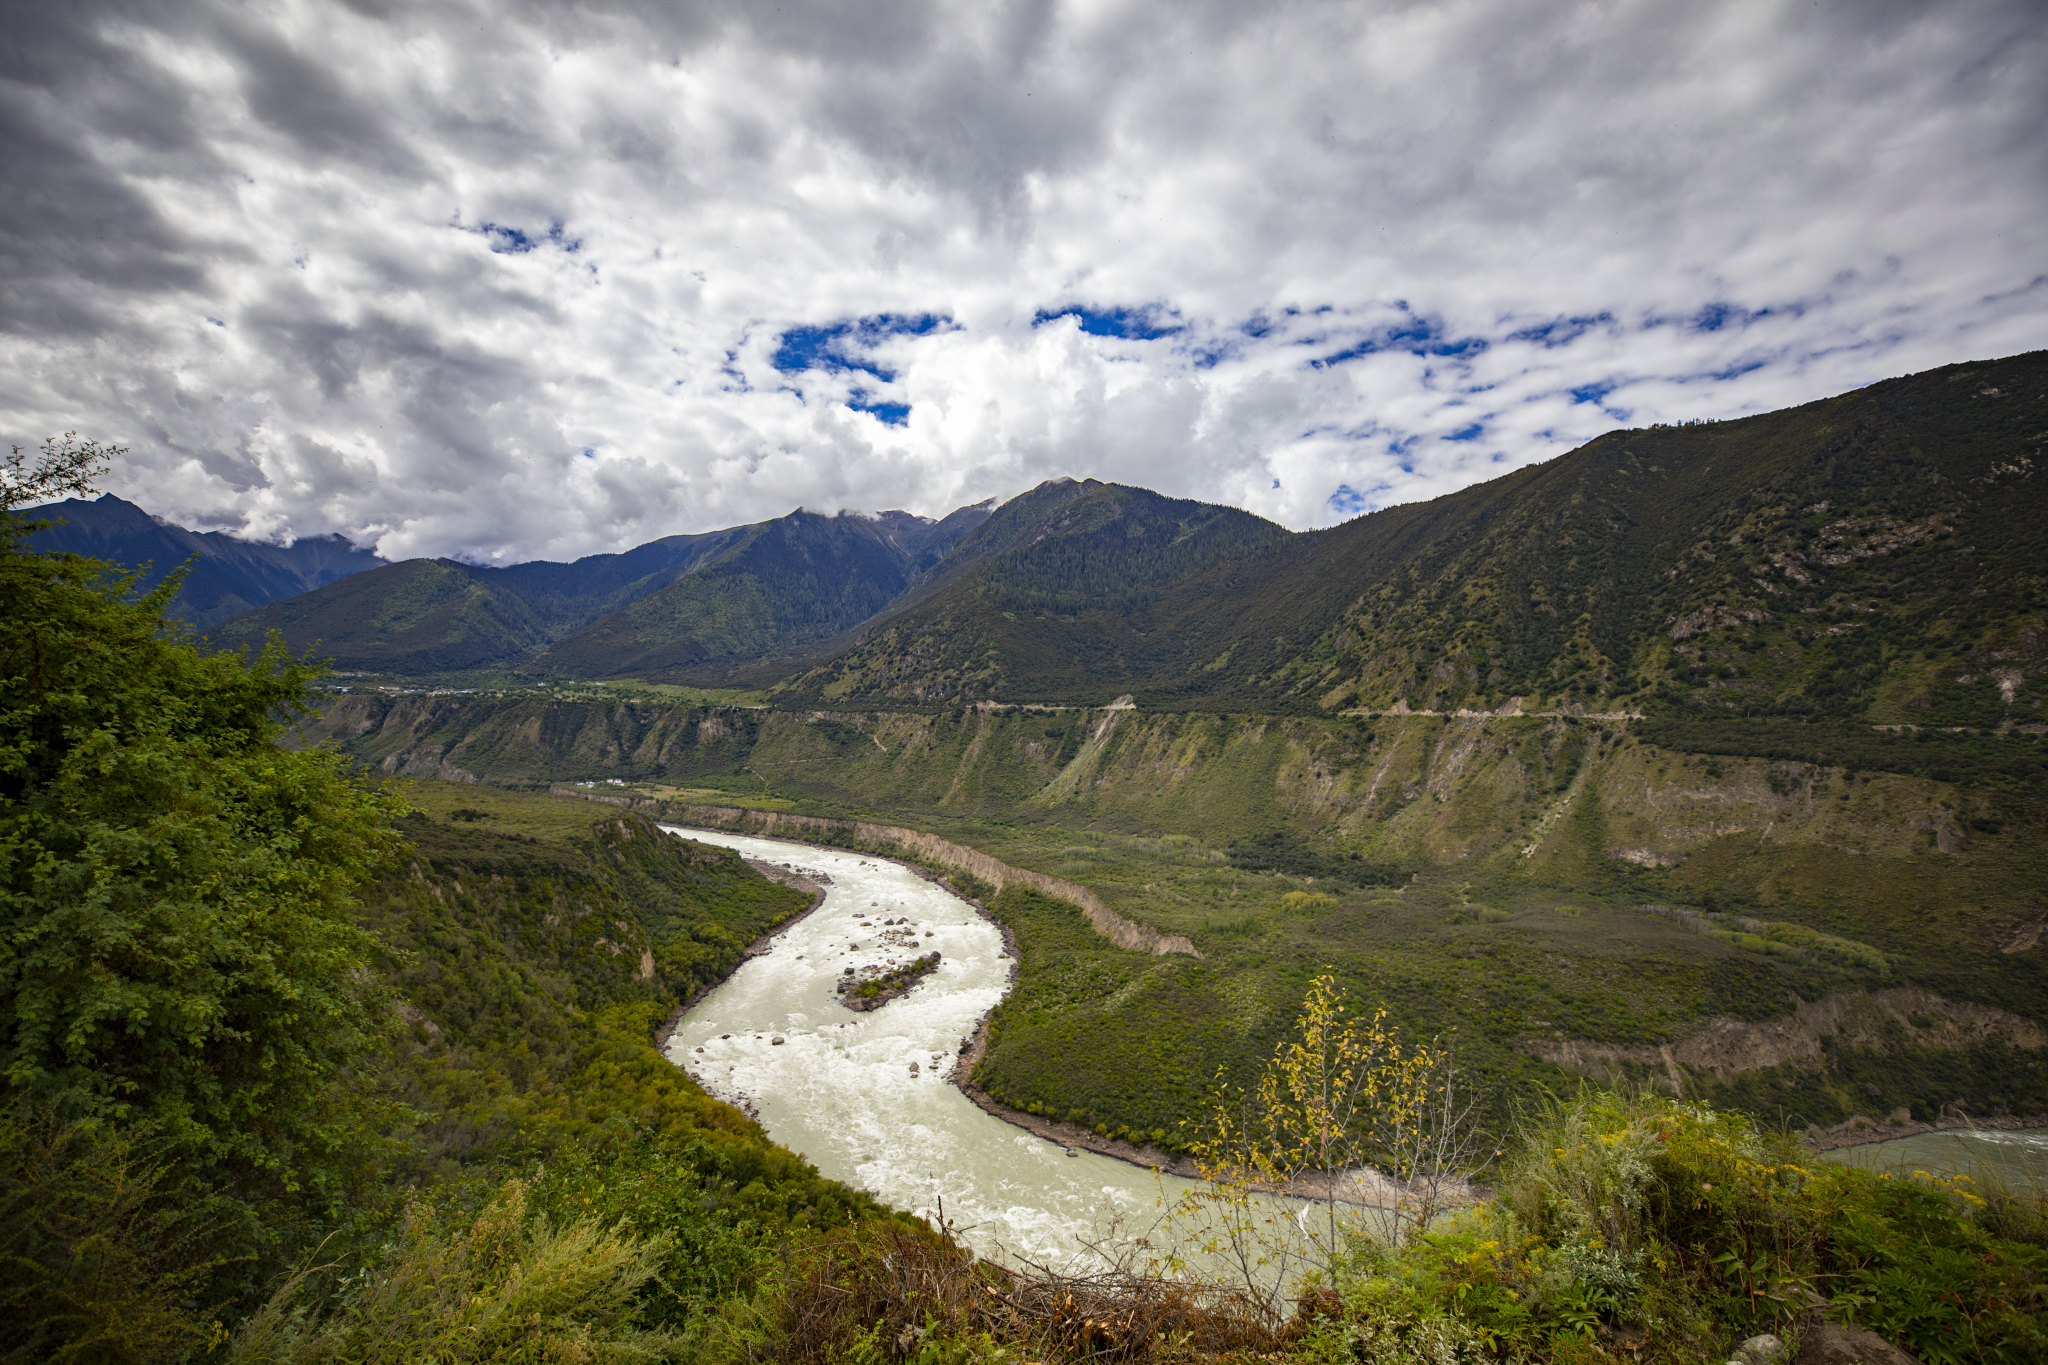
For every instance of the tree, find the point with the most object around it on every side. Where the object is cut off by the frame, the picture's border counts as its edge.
(1375, 1132)
(177, 950)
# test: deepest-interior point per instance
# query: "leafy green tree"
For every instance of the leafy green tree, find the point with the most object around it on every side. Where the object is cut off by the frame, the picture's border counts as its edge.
(178, 953)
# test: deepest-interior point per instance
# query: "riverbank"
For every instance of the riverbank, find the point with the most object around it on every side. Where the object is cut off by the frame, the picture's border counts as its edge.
(783, 827)
(782, 874)
(1860, 1131)
(1366, 1188)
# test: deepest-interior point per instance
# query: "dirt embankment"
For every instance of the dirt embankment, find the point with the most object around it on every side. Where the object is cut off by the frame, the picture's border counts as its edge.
(1857, 1130)
(930, 848)
(1874, 1020)
(1859, 1019)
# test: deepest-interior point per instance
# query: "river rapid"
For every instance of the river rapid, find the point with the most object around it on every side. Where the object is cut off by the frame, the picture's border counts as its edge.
(867, 1098)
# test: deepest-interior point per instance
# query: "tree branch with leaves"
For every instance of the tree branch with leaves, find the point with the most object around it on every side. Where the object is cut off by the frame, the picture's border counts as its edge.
(65, 465)
(1342, 1098)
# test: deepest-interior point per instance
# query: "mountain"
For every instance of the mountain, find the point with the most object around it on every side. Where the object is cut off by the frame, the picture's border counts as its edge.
(437, 615)
(1057, 594)
(736, 594)
(1875, 556)
(1709, 757)
(779, 586)
(230, 576)
(419, 616)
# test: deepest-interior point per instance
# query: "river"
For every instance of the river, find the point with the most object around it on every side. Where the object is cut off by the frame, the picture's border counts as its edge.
(2014, 1160)
(867, 1097)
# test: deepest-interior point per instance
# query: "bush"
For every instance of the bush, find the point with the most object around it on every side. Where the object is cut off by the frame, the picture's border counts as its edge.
(177, 947)
(511, 1287)
(107, 1251)
(1692, 1225)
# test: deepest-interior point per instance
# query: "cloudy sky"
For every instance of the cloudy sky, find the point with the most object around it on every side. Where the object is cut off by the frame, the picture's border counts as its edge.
(506, 280)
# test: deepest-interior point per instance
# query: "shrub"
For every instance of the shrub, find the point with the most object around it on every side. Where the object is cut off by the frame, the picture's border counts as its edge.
(510, 1287)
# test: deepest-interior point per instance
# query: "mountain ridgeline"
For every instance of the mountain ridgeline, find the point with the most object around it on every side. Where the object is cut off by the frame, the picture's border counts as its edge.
(1875, 556)
(737, 595)
(226, 576)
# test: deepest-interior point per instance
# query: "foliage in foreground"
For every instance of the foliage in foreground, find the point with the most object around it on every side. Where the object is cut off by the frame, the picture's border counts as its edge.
(1680, 1230)
(178, 951)
(508, 1287)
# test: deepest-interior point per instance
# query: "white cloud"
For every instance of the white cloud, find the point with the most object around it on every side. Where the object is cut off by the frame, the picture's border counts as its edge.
(503, 284)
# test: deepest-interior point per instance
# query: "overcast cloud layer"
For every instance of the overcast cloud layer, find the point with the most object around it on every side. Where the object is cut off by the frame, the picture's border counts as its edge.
(511, 281)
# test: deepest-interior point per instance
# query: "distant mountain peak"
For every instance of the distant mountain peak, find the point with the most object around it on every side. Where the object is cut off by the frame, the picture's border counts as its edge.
(229, 575)
(715, 599)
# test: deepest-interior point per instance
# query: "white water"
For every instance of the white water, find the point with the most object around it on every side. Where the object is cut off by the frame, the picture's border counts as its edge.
(839, 1088)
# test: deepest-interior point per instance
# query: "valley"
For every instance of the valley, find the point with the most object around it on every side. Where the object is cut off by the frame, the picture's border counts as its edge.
(1618, 768)
(1562, 895)
(1690, 788)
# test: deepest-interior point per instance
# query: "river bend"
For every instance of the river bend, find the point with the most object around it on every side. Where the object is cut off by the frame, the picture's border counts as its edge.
(867, 1097)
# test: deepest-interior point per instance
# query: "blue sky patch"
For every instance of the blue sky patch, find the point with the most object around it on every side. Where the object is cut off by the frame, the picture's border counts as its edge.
(1465, 433)
(1738, 369)
(1416, 335)
(1148, 323)
(1561, 331)
(1596, 394)
(1349, 502)
(837, 347)
(890, 414)
(506, 240)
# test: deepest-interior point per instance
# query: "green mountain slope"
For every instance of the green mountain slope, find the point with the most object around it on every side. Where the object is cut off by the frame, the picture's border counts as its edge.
(437, 615)
(777, 587)
(515, 921)
(1877, 555)
(767, 587)
(1059, 594)
(423, 615)
(1880, 555)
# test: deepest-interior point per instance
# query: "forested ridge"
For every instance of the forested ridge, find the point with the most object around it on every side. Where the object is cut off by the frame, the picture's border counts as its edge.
(1873, 556)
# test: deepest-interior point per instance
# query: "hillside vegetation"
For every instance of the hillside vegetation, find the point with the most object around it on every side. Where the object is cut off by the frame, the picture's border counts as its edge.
(781, 586)
(736, 595)
(273, 1065)
(303, 1067)
(1874, 556)
(1565, 893)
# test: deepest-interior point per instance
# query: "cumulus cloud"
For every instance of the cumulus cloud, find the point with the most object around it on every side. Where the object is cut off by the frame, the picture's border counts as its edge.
(504, 282)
